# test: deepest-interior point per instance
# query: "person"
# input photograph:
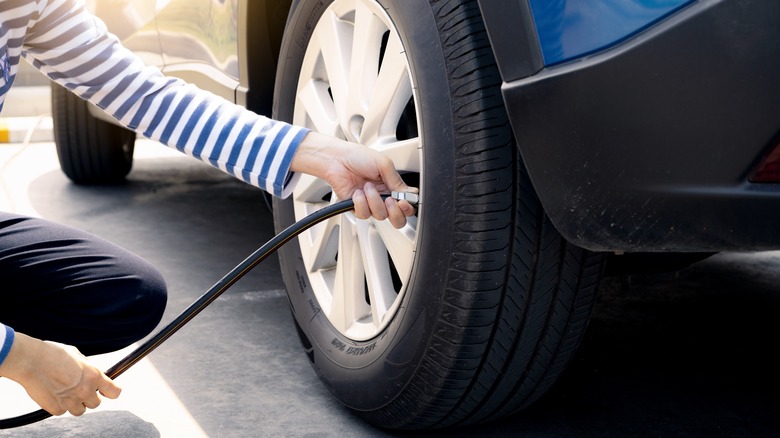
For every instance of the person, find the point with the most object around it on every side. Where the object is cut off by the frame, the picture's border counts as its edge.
(63, 287)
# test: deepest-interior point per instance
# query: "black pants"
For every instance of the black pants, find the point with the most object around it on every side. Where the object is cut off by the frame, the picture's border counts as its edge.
(65, 285)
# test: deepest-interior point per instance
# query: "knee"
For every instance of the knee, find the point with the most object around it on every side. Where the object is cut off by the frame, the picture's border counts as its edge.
(151, 297)
(135, 309)
(117, 306)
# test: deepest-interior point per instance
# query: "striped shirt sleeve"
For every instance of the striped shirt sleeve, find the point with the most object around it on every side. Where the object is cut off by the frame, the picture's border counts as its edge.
(73, 48)
(6, 341)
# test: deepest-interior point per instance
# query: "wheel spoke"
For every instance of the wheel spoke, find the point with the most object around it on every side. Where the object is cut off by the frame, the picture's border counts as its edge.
(399, 244)
(380, 284)
(323, 246)
(392, 93)
(405, 154)
(367, 40)
(318, 105)
(334, 38)
(311, 190)
(348, 304)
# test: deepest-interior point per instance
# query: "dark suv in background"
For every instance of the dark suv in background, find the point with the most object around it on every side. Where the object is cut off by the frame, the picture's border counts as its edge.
(546, 137)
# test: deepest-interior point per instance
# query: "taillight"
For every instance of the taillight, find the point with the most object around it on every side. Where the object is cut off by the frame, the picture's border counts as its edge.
(769, 169)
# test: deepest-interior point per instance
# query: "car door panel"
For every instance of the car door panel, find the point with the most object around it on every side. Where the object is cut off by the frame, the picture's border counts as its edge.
(199, 39)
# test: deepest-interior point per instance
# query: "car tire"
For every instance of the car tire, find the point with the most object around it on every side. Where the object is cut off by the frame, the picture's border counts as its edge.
(492, 302)
(90, 150)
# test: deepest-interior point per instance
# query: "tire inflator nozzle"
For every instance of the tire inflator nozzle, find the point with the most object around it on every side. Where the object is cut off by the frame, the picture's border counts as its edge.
(412, 198)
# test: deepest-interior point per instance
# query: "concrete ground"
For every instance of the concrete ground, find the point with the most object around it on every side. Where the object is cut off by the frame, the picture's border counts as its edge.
(686, 354)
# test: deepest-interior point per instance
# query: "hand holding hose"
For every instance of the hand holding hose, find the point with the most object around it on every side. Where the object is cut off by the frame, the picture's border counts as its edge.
(354, 172)
(56, 376)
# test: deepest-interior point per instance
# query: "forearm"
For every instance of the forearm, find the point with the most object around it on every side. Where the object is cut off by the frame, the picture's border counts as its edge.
(17, 362)
(316, 154)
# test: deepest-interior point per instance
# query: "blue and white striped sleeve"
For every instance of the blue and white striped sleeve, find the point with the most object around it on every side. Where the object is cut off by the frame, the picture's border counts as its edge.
(6, 341)
(74, 48)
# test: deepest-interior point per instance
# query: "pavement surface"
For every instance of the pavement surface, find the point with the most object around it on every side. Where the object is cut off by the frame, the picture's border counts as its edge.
(683, 354)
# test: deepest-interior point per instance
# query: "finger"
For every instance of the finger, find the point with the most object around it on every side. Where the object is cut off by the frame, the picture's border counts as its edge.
(390, 176)
(92, 402)
(361, 205)
(77, 409)
(406, 208)
(394, 213)
(109, 389)
(54, 409)
(375, 203)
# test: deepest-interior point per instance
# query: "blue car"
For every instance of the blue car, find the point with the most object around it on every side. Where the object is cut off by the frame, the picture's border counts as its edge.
(552, 141)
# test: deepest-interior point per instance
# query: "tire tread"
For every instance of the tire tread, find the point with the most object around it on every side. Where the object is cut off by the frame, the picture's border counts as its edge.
(527, 309)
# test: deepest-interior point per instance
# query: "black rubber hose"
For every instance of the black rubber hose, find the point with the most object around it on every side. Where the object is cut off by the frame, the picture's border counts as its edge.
(201, 303)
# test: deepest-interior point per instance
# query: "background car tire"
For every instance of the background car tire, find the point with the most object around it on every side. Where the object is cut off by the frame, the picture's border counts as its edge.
(90, 150)
(497, 301)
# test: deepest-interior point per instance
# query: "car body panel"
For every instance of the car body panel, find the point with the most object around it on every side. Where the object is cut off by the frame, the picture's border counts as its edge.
(199, 40)
(568, 29)
(228, 47)
(648, 146)
(133, 21)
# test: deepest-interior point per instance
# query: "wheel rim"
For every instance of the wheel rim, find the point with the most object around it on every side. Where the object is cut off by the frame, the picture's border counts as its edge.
(355, 84)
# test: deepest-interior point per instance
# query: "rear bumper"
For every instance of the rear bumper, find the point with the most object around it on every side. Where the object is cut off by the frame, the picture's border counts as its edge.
(648, 146)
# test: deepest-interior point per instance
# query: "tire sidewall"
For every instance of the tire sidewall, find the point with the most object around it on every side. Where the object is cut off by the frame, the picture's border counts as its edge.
(369, 375)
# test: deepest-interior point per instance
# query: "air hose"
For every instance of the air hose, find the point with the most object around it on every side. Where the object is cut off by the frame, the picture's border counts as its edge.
(212, 294)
